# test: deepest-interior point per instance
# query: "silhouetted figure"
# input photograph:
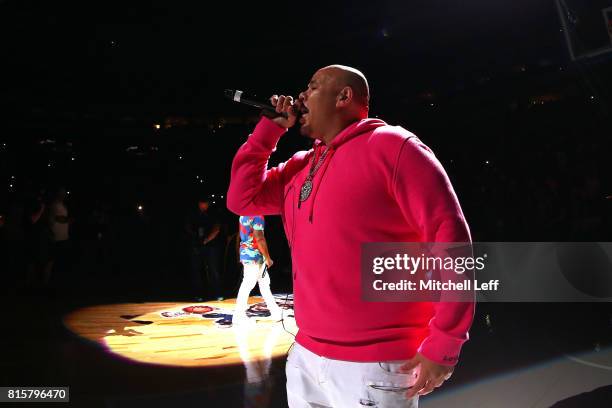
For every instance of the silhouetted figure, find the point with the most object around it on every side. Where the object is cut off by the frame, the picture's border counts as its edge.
(39, 240)
(59, 224)
(203, 229)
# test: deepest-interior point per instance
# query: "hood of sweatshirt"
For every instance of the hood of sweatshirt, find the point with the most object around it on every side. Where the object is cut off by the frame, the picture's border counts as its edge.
(350, 132)
(353, 130)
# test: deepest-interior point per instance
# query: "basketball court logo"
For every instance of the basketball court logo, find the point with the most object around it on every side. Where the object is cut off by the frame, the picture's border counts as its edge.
(223, 318)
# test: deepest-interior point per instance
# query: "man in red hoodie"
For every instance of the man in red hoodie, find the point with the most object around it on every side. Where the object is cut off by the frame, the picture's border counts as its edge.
(363, 181)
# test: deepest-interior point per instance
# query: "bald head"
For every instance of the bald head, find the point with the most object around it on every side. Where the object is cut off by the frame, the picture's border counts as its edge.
(353, 78)
(336, 96)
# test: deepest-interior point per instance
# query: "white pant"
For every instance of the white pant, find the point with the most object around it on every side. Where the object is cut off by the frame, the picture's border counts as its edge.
(314, 381)
(252, 275)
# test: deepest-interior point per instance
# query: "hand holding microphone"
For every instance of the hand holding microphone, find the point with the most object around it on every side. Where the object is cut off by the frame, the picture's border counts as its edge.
(282, 109)
(268, 262)
(284, 105)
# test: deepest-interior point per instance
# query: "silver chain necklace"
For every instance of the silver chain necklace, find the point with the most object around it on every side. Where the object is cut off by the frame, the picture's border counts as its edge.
(307, 186)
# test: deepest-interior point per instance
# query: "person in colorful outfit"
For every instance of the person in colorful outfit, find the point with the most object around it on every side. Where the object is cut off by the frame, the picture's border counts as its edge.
(256, 260)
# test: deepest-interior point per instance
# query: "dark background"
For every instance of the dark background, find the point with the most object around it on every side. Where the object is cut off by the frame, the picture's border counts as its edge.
(122, 103)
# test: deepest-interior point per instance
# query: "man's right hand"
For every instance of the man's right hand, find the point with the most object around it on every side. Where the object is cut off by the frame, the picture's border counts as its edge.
(284, 104)
(269, 262)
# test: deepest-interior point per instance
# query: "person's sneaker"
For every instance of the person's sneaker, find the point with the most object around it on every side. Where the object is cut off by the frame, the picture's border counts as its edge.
(276, 314)
(247, 324)
(241, 319)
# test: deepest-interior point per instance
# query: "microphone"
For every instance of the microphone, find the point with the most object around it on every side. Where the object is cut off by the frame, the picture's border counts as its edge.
(238, 96)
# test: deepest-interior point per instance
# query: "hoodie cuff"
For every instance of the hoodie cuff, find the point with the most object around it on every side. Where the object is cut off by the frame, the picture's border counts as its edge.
(266, 134)
(441, 348)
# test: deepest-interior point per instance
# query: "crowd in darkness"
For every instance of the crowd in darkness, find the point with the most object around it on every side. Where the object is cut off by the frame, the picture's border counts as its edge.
(524, 170)
(545, 181)
(129, 207)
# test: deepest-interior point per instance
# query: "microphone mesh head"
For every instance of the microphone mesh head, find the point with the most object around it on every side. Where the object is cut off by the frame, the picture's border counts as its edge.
(233, 95)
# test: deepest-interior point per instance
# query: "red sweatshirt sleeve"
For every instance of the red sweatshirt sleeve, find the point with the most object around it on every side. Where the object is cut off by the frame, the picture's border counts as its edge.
(430, 206)
(255, 189)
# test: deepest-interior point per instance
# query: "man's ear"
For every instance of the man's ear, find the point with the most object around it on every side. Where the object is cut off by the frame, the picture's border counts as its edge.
(345, 96)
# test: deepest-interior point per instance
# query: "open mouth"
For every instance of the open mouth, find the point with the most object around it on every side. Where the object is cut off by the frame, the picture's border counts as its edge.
(303, 117)
(302, 112)
(300, 108)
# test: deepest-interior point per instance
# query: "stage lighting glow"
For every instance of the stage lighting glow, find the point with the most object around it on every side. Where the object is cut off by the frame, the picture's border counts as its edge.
(169, 334)
(157, 126)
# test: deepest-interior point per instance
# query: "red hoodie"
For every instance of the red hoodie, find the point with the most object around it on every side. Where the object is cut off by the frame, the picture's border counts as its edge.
(378, 183)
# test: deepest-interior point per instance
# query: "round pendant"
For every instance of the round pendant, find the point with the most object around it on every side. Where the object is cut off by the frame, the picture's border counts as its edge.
(306, 190)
